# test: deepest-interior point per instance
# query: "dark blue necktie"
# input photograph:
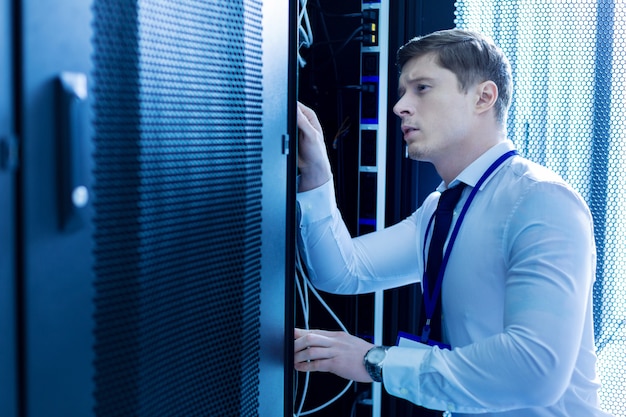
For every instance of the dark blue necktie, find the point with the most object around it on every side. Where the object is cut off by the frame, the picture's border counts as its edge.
(443, 219)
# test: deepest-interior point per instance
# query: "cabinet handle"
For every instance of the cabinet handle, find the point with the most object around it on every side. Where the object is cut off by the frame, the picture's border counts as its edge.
(73, 150)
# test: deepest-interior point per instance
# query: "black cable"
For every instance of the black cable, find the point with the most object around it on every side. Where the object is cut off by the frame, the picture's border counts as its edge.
(336, 142)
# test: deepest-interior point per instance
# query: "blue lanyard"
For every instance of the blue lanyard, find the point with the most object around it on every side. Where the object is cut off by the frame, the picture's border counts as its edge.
(430, 299)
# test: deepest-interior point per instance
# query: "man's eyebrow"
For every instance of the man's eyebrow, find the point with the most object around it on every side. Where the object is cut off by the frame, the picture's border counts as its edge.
(419, 79)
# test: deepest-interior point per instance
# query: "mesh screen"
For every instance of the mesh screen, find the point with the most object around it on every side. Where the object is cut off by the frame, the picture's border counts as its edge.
(569, 113)
(177, 120)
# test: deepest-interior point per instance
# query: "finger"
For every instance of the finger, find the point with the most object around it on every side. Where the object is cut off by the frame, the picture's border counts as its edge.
(313, 354)
(307, 366)
(300, 343)
(297, 333)
(305, 110)
(327, 333)
(313, 366)
(320, 340)
(304, 123)
(308, 118)
(310, 340)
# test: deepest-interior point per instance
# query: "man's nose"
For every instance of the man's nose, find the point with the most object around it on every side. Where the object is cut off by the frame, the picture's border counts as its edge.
(400, 108)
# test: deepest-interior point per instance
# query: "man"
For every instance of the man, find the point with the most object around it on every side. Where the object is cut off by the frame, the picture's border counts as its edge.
(518, 267)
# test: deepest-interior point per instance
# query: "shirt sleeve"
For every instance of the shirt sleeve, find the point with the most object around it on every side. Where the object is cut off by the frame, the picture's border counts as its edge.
(550, 255)
(340, 264)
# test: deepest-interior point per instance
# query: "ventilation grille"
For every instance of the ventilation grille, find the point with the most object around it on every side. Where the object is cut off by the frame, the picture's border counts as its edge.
(569, 114)
(178, 134)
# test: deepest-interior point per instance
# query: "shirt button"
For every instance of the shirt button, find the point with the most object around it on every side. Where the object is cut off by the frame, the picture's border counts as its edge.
(404, 391)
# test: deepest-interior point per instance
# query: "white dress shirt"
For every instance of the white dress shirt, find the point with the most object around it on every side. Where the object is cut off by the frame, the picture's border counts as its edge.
(516, 296)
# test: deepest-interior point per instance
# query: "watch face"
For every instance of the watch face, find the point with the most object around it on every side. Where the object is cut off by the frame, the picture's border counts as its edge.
(376, 355)
(373, 362)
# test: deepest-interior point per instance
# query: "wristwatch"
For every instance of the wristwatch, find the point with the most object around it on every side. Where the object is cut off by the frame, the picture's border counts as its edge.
(373, 361)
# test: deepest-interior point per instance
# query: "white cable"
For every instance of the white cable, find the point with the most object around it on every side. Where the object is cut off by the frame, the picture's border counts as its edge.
(305, 23)
(304, 302)
(305, 389)
(315, 410)
(331, 312)
(309, 286)
(303, 290)
(305, 33)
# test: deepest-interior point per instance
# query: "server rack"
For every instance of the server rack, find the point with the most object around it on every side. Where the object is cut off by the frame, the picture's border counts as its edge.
(125, 151)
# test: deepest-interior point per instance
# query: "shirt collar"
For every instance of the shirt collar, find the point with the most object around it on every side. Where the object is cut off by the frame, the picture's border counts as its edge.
(476, 169)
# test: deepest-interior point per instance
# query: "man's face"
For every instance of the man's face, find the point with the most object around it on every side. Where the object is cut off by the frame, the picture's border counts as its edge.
(435, 113)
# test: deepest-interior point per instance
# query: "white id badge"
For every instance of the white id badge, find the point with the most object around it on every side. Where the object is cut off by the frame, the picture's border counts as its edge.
(408, 340)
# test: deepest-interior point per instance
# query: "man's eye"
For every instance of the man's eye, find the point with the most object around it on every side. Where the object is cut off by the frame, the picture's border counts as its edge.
(421, 88)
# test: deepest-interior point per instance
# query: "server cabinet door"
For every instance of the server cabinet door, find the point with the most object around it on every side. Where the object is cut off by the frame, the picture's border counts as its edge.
(8, 377)
(55, 263)
(279, 162)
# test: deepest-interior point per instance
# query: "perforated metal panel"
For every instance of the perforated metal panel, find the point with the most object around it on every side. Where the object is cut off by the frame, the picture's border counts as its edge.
(177, 120)
(569, 113)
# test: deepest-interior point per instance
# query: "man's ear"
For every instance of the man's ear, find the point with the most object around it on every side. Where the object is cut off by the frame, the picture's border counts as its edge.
(486, 94)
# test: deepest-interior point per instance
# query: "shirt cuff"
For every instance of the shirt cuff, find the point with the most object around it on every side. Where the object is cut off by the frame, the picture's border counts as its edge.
(317, 204)
(401, 369)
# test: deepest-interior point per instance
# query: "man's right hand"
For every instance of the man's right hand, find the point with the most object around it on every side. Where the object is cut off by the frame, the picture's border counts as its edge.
(313, 159)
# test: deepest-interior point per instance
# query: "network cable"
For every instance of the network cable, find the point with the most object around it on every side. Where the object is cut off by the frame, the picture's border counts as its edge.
(305, 34)
(303, 290)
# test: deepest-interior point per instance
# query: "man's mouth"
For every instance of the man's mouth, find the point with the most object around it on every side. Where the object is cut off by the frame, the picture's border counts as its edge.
(408, 129)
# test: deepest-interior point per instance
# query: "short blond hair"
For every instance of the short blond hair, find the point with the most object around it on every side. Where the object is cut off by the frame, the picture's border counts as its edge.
(471, 56)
